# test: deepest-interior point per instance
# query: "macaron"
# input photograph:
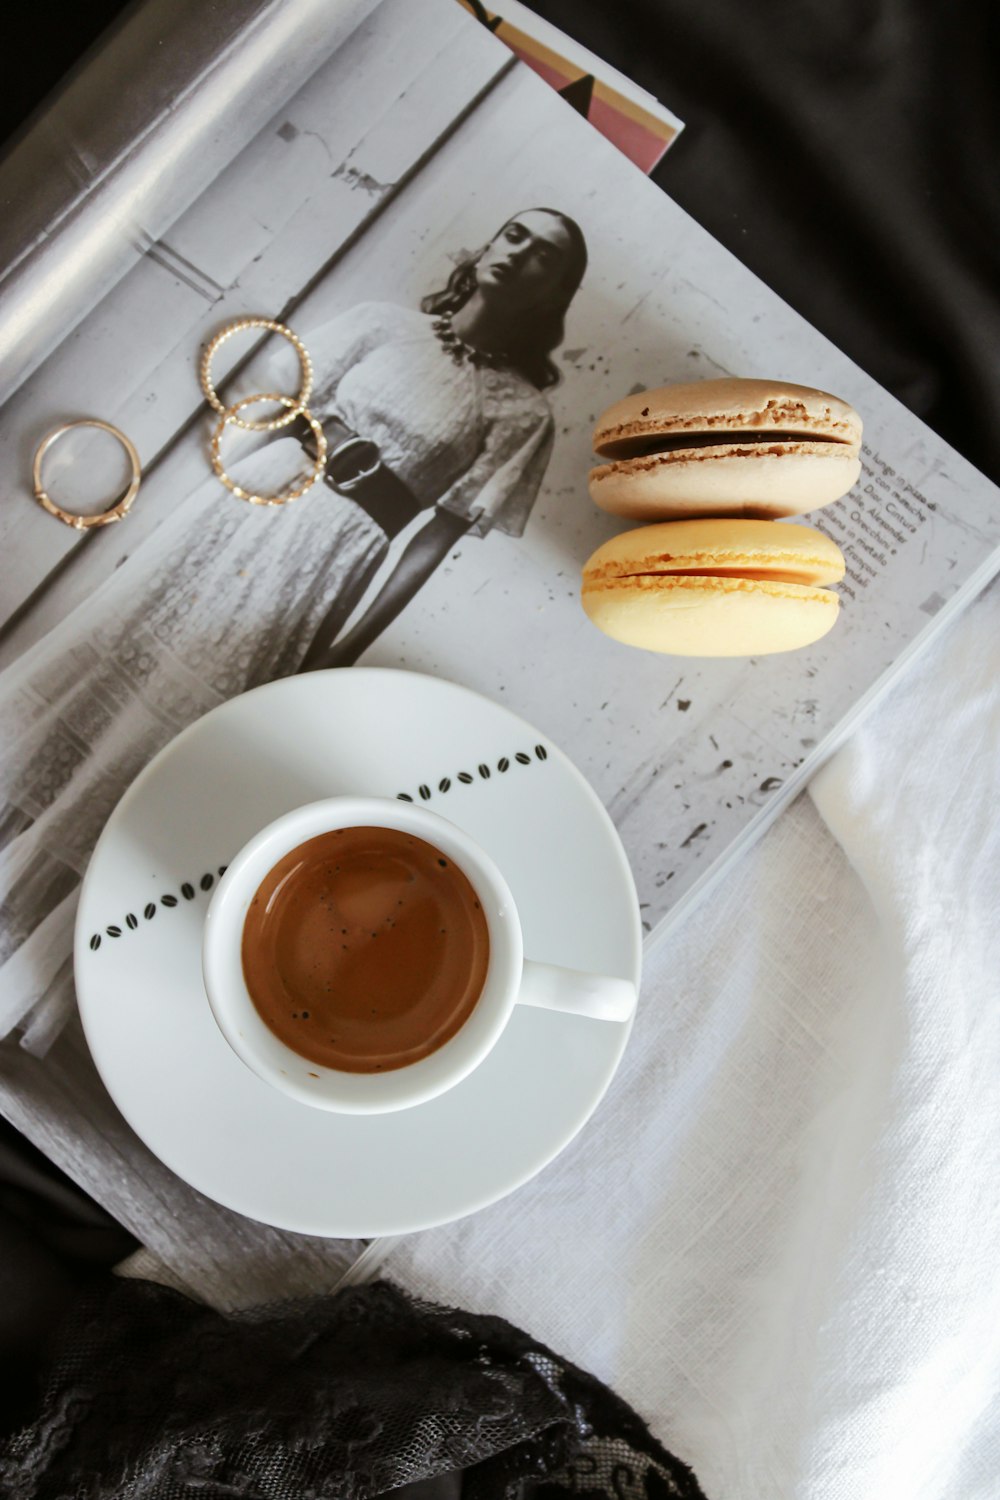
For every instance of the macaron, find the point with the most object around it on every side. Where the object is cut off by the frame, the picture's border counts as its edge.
(714, 587)
(757, 448)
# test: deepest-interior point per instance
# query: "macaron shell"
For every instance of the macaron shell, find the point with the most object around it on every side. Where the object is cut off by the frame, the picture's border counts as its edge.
(788, 479)
(786, 551)
(705, 406)
(710, 616)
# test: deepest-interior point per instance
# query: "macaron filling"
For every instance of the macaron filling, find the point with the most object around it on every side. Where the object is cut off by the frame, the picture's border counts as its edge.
(800, 569)
(752, 575)
(645, 445)
(699, 584)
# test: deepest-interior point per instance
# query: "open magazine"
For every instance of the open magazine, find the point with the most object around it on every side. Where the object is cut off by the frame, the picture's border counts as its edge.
(352, 216)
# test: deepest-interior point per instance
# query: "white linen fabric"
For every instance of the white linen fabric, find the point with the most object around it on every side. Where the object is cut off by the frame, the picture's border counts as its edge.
(777, 1237)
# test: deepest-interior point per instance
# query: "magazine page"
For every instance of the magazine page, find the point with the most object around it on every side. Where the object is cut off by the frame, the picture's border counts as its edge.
(387, 183)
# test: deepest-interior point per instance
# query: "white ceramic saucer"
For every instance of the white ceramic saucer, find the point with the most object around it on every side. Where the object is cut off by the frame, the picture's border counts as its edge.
(138, 960)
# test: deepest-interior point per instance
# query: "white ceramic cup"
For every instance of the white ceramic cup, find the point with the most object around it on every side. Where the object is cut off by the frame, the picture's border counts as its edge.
(511, 979)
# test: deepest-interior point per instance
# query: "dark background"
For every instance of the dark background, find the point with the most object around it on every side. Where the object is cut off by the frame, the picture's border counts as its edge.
(848, 153)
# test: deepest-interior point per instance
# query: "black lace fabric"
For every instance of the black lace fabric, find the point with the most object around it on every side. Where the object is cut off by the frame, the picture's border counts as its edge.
(151, 1396)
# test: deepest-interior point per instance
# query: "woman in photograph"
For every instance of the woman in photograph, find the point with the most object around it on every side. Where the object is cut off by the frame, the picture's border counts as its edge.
(449, 402)
(437, 423)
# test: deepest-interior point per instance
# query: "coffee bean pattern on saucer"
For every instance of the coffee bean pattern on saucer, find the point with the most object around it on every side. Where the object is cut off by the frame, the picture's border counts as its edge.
(167, 900)
(466, 778)
(188, 889)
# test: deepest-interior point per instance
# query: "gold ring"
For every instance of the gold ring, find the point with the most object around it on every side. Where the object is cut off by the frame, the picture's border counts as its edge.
(103, 518)
(305, 363)
(230, 415)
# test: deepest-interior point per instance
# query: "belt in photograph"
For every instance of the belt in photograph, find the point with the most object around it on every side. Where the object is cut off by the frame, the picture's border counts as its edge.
(354, 468)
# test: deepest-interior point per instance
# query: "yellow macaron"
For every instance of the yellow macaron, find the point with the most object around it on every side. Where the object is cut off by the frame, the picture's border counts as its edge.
(732, 447)
(714, 587)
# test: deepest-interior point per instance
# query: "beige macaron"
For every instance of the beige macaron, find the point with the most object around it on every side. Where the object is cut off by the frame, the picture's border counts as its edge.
(758, 448)
(714, 587)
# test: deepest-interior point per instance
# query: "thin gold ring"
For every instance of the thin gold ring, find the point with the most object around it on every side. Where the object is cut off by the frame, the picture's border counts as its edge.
(105, 517)
(230, 415)
(305, 363)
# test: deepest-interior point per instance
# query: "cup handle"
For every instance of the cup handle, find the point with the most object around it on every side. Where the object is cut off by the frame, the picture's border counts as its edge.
(595, 995)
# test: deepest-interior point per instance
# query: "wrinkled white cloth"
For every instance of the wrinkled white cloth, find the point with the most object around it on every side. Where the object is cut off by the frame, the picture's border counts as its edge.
(778, 1235)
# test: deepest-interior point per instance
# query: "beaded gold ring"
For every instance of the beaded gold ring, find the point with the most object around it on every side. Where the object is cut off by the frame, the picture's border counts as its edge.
(305, 364)
(71, 518)
(231, 414)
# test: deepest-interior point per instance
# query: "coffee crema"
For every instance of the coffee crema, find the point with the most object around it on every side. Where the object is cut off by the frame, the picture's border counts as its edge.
(365, 949)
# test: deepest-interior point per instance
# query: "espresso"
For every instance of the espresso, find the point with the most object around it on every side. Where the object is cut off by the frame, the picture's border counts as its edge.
(365, 949)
